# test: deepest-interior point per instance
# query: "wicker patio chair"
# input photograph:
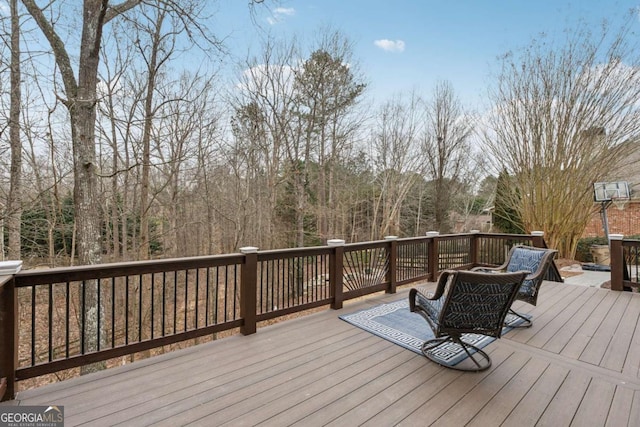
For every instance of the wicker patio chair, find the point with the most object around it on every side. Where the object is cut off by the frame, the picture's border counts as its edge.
(465, 302)
(536, 261)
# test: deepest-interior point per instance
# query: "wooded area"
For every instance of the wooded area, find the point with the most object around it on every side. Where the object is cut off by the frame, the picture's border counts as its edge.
(290, 153)
(128, 139)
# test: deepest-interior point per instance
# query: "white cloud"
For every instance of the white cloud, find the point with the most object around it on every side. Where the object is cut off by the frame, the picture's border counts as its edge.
(390, 45)
(289, 11)
(257, 79)
(279, 14)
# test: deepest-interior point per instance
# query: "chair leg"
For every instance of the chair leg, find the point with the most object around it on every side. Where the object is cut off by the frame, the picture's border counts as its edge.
(525, 324)
(481, 360)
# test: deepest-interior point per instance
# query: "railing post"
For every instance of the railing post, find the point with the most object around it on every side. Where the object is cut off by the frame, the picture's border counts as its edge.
(475, 243)
(248, 291)
(617, 265)
(537, 237)
(433, 258)
(392, 271)
(336, 260)
(8, 337)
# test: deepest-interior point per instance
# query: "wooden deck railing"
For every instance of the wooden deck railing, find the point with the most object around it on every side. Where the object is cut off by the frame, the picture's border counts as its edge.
(625, 263)
(62, 318)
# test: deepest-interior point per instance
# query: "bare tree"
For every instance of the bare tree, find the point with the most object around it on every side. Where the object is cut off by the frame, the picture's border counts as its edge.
(562, 119)
(81, 100)
(14, 201)
(176, 148)
(266, 136)
(118, 127)
(156, 33)
(81, 103)
(447, 150)
(254, 160)
(399, 158)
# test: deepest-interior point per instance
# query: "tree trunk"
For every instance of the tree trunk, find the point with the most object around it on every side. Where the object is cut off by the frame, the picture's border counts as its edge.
(14, 202)
(85, 195)
(152, 69)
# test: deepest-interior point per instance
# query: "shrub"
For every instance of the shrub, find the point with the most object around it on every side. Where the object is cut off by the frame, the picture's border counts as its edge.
(583, 250)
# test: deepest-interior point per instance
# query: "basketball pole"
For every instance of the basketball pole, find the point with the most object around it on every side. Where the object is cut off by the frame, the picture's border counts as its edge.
(605, 220)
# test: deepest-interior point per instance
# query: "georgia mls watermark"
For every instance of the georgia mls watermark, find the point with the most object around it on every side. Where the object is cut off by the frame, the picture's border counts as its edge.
(31, 416)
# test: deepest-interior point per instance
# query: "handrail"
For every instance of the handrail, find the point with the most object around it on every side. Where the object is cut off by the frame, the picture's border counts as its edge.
(86, 314)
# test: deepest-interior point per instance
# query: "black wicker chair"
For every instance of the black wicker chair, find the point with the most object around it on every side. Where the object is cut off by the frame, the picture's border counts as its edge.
(535, 261)
(466, 302)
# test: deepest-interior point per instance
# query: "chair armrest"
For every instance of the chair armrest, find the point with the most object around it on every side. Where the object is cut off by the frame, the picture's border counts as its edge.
(488, 269)
(539, 273)
(442, 284)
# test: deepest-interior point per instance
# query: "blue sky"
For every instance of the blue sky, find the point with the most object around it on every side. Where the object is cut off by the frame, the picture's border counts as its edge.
(406, 44)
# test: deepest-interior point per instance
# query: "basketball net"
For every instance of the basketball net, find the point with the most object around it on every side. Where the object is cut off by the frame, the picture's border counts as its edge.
(619, 202)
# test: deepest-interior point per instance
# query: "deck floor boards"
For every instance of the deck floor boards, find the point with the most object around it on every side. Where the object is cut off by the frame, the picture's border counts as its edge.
(577, 365)
(558, 318)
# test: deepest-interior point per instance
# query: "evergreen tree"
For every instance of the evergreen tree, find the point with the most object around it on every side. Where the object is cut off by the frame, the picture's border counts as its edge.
(505, 218)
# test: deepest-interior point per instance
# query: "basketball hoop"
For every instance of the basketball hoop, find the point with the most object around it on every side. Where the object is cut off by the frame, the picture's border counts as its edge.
(607, 193)
(619, 202)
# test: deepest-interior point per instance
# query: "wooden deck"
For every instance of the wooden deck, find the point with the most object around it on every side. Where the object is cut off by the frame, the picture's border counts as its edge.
(578, 365)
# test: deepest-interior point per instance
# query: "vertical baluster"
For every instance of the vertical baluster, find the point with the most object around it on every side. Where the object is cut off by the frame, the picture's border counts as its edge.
(140, 283)
(299, 282)
(113, 312)
(280, 301)
(637, 262)
(98, 316)
(175, 302)
(153, 302)
(67, 319)
(235, 292)
(83, 311)
(268, 286)
(317, 269)
(50, 315)
(261, 299)
(286, 292)
(197, 298)
(325, 278)
(226, 291)
(164, 302)
(286, 299)
(186, 297)
(206, 300)
(275, 291)
(126, 310)
(215, 316)
(289, 284)
(304, 277)
(33, 324)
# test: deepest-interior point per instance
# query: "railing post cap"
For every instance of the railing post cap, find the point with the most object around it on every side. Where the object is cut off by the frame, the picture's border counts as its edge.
(616, 236)
(335, 242)
(432, 233)
(390, 237)
(249, 250)
(537, 233)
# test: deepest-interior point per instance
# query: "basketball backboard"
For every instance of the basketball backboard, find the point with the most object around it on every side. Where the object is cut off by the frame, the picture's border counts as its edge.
(607, 191)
